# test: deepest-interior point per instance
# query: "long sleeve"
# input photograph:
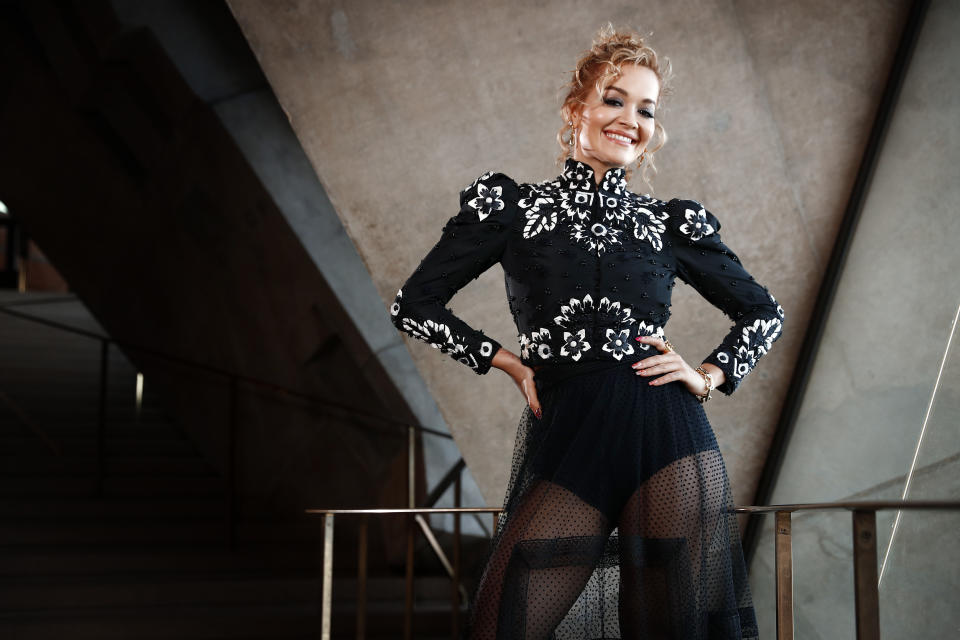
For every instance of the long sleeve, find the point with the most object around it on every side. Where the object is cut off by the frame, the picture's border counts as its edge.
(710, 267)
(471, 242)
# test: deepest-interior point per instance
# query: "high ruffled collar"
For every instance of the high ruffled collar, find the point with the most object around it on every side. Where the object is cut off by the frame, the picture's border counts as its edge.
(578, 176)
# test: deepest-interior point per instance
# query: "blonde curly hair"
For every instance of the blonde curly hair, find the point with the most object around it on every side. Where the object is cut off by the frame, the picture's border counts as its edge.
(601, 65)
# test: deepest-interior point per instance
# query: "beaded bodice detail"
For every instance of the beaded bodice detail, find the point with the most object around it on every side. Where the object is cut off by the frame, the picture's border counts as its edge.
(588, 267)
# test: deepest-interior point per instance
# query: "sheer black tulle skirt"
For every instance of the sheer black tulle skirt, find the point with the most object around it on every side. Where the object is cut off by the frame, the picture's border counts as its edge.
(617, 520)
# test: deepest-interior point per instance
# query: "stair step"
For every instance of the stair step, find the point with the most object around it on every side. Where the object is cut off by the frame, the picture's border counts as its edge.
(274, 622)
(36, 465)
(109, 507)
(12, 486)
(36, 560)
(122, 591)
(46, 532)
(24, 594)
(87, 445)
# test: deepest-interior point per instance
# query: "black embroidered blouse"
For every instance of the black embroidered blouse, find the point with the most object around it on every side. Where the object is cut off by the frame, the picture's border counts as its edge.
(587, 270)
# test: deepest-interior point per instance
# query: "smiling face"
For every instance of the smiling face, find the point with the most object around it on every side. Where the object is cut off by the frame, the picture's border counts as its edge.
(615, 127)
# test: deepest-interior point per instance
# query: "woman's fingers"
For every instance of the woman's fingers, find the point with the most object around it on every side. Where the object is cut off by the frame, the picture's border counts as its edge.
(530, 391)
(668, 377)
(663, 362)
(658, 343)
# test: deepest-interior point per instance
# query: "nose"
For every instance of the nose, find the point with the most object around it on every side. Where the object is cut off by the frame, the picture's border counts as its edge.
(630, 120)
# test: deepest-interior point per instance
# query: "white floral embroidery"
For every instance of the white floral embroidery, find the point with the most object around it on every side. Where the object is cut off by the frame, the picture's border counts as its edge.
(574, 344)
(618, 343)
(570, 201)
(613, 311)
(696, 225)
(439, 336)
(576, 203)
(579, 172)
(755, 340)
(761, 334)
(644, 329)
(487, 200)
(597, 237)
(614, 182)
(648, 225)
(536, 342)
(568, 312)
(395, 307)
(744, 359)
(436, 334)
(463, 357)
(779, 308)
(541, 215)
(581, 312)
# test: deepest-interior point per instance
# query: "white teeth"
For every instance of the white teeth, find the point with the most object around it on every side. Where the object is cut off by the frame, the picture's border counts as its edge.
(617, 136)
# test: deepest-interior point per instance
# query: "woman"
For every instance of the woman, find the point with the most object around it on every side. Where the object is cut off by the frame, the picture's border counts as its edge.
(616, 521)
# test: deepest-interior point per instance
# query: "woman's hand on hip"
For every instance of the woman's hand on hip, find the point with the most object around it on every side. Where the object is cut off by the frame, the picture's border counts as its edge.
(522, 376)
(668, 363)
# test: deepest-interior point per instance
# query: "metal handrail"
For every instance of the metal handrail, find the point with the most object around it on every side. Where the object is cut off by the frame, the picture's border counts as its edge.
(193, 364)
(866, 587)
(872, 505)
(234, 380)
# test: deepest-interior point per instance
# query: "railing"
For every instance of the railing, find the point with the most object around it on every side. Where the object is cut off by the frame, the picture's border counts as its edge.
(866, 590)
(866, 586)
(358, 417)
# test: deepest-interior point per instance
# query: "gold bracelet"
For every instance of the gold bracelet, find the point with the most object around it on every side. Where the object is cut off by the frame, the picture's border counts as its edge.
(708, 381)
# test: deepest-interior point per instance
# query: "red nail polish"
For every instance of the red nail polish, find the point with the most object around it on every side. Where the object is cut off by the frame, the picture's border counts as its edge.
(538, 413)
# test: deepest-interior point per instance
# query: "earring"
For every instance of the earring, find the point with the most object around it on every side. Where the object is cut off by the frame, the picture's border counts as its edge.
(643, 154)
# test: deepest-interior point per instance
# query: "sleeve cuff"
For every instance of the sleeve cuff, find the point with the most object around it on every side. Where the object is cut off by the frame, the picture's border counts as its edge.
(722, 360)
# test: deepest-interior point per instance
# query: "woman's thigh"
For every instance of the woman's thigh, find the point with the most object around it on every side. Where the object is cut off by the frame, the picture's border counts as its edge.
(546, 552)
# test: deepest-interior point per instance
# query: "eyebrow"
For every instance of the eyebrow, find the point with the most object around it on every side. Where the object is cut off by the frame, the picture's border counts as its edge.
(616, 88)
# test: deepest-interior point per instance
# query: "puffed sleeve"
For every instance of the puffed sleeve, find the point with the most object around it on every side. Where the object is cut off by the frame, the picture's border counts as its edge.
(471, 242)
(710, 267)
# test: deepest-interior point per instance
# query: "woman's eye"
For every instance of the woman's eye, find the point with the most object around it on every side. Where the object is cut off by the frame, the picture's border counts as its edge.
(646, 113)
(613, 102)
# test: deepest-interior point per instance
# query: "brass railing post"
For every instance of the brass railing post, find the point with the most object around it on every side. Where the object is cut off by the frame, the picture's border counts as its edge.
(866, 588)
(784, 567)
(411, 504)
(411, 467)
(455, 591)
(326, 603)
(408, 601)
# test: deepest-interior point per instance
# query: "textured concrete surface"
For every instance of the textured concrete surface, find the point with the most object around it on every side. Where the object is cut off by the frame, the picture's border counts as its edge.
(879, 413)
(399, 105)
(205, 43)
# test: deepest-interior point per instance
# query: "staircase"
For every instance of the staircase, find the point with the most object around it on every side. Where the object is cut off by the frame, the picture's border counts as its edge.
(147, 556)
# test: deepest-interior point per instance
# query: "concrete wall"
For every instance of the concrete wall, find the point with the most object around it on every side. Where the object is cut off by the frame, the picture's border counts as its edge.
(144, 202)
(880, 420)
(208, 49)
(399, 105)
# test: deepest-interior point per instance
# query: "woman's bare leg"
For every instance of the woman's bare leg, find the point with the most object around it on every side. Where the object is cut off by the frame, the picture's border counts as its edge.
(669, 532)
(543, 559)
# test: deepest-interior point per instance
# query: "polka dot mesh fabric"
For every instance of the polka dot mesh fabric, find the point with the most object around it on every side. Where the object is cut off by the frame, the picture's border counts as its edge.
(617, 520)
